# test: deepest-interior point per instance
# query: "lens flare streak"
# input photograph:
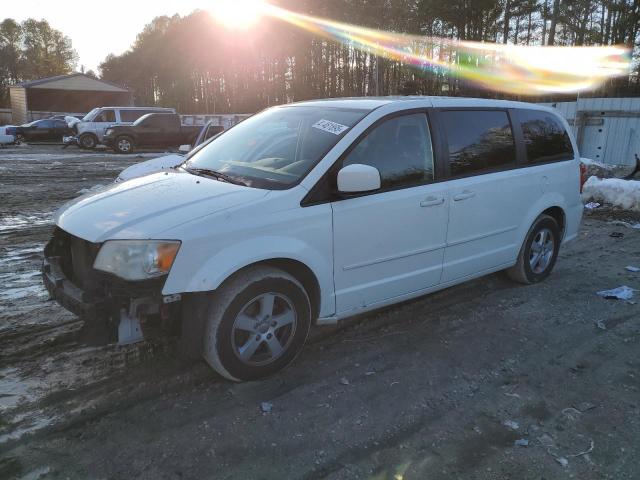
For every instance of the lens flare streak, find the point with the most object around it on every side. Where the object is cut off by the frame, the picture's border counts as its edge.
(513, 69)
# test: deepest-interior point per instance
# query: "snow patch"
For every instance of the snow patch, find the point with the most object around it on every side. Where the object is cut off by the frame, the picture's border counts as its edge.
(615, 191)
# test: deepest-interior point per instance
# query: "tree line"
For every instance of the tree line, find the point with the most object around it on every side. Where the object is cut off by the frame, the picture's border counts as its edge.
(196, 65)
(30, 50)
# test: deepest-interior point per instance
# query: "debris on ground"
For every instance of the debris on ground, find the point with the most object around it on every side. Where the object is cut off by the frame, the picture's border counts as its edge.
(585, 452)
(591, 205)
(615, 191)
(631, 268)
(562, 461)
(619, 293)
(584, 406)
(521, 442)
(622, 223)
(513, 425)
(616, 234)
(266, 407)
(601, 325)
(344, 381)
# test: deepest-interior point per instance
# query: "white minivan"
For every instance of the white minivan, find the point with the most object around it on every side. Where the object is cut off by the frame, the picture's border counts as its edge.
(317, 211)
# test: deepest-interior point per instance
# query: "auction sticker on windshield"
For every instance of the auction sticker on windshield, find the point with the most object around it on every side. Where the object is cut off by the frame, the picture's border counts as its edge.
(329, 126)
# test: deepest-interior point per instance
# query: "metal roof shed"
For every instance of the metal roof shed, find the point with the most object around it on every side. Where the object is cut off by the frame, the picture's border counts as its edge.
(65, 93)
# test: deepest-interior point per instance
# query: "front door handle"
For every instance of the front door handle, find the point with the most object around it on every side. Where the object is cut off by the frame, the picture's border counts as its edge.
(432, 201)
(464, 195)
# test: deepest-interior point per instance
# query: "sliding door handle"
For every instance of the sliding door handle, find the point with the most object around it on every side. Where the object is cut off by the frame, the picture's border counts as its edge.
(432, 201)
(464, 195)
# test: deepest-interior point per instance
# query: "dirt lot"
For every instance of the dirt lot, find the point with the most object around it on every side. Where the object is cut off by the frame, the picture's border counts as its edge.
(441, 387)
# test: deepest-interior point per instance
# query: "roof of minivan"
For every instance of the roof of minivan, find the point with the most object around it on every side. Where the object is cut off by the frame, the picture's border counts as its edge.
(371, 103)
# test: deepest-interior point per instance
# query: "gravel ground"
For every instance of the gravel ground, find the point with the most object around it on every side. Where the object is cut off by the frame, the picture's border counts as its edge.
(486, 380)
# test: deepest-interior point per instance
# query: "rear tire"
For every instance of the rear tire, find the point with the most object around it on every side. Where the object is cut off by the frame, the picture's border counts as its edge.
(539, 252)
(256, 324)
(87, 141)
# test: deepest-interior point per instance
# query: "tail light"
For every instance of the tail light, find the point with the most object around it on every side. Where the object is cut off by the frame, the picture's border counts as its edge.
(583, 175)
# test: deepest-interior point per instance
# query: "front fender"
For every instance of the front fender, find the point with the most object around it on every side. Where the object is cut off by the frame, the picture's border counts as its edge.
(193, 276)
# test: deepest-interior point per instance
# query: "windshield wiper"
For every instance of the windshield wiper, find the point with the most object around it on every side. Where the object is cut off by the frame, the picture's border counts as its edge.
(215, 174)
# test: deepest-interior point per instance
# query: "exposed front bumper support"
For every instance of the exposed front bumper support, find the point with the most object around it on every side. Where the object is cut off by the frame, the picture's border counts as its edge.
(98, 309)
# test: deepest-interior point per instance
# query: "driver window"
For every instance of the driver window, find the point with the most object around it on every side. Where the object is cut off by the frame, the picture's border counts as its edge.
(400, 148)
(106, 116)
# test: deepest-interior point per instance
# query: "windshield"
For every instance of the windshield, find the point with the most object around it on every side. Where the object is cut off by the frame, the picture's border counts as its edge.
(275, 148)
(89, 116)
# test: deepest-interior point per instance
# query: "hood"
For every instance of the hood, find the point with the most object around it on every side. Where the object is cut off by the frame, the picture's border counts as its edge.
(71, 121)
(150, 166)
(144, 207)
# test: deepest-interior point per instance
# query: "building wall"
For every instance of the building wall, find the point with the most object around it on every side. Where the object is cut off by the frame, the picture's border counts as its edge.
(74, 100)
(607, 129)
(5, 116)
(18, 105)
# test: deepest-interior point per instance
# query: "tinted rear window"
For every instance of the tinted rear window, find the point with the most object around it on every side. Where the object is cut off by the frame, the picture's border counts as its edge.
(544, 136)
(479, 141)
(131, 115)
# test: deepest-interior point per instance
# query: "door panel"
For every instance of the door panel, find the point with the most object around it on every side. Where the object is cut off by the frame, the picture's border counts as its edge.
(485, 207)
(387, 245)
(391, 243)
(484, 217)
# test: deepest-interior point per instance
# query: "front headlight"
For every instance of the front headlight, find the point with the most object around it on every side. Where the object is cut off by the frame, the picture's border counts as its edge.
(108, 131)
(137, 259)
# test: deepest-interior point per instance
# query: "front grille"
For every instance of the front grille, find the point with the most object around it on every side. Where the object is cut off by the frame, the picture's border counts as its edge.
(76, 257)
(83, 254)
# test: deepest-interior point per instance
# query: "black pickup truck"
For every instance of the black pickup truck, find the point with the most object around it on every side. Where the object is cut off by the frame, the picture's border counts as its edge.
(152, 130)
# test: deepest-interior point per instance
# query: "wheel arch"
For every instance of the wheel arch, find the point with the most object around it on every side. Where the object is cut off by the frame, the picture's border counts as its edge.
(296, 269)
(552, 204)
(559, 215)
(300, 260)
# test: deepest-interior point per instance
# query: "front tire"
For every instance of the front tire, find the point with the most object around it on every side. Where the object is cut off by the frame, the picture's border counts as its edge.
(257, 323)
(88, 141)
(539, 252)
(123, 144)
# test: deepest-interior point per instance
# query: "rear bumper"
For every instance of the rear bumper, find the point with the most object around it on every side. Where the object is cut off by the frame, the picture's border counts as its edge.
(572, 220)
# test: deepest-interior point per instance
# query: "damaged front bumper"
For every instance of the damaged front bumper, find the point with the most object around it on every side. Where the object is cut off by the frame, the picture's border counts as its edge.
(70, 140)
(97, 297)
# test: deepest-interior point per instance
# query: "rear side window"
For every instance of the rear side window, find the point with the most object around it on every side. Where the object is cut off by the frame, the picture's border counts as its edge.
(544, 136)
(400, 148)
(131, 115)
(479, 141)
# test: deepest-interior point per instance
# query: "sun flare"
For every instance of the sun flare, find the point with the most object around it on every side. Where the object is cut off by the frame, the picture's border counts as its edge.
(238, 14)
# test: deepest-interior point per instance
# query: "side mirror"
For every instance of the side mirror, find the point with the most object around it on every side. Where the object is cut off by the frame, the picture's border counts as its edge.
(358, 178)
(184, 148)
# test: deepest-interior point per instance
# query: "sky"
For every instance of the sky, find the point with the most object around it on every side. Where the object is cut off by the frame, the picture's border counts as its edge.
(98, 28)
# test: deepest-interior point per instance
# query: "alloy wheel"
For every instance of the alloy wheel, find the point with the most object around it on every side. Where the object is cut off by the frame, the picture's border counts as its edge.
(264, 329)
